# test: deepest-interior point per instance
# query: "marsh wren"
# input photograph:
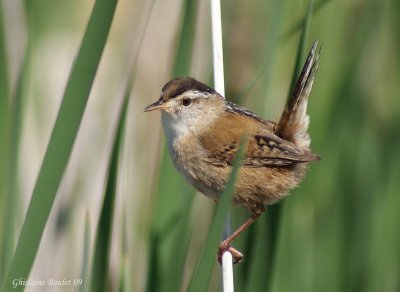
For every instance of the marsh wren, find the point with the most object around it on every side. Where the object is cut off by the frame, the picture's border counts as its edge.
(203, 133)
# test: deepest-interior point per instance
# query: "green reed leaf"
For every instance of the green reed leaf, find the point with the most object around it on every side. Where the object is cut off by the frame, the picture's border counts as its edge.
(61, 141)
(202, 274)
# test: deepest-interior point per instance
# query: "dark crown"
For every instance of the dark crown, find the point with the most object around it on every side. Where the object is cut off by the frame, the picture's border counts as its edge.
(180, 85)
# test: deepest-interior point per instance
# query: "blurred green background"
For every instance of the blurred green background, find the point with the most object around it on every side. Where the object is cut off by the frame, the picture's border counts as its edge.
(337, 232)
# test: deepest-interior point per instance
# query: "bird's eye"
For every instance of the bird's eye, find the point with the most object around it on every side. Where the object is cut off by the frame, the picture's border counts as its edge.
(186, 101)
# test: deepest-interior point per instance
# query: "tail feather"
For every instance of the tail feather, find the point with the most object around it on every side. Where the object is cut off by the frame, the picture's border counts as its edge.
(294, 122)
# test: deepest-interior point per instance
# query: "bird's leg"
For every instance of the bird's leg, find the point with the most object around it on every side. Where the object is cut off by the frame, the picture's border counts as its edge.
(225, 244)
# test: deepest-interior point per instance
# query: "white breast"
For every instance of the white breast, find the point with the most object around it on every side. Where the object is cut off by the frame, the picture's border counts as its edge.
(186, 152)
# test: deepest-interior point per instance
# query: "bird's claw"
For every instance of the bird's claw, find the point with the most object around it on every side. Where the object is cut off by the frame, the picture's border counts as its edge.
(224, 246)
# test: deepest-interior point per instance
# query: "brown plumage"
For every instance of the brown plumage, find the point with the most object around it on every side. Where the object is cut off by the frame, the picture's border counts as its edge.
(271, 165)
(276, 155)
(204, 132)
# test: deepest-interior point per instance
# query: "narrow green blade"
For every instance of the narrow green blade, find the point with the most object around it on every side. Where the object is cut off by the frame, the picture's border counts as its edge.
(61, 141)
(300, 24)
(302, 46)
(124, 283)
(104, 228)
(280, 211)
(4, 148)
(86, 252)
(202, 274)
(263, 248)
(11, 198)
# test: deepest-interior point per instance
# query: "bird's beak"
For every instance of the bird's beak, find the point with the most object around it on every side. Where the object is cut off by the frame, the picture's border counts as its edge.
(159, 104)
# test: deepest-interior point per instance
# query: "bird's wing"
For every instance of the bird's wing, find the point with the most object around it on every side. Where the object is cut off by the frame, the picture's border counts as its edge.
(270, 150)
(263, 147)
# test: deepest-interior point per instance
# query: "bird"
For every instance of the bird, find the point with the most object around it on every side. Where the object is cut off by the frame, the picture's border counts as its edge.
(204, 131)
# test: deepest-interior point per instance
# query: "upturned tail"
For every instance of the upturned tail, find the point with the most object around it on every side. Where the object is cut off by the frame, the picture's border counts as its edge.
(294, 121)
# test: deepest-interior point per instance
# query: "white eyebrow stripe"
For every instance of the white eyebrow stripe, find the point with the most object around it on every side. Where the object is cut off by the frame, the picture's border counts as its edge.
(195, 94)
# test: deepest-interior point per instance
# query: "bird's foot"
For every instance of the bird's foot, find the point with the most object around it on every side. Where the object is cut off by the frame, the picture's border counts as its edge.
(237, 256)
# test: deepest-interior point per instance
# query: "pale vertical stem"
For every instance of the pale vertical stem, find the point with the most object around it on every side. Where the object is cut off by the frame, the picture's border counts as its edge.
(218, 61)
(227, 272)
(217, 47)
